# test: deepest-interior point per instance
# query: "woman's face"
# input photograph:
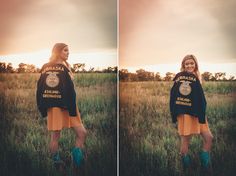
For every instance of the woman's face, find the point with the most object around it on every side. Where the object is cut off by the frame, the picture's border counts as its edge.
(65, 53)
(189, 65)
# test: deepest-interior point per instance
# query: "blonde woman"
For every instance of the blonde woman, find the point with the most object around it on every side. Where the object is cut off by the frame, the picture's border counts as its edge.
(188, 107)
(56, 99)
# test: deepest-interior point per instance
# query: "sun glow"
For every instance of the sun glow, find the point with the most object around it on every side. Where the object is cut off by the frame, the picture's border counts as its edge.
(98, 60)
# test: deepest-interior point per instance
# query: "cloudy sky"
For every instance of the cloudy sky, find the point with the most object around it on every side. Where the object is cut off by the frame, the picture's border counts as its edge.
(157, 34)
(30, 28)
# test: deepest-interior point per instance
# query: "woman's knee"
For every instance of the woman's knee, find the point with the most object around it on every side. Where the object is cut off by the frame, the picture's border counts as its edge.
(184, 150)
(208, 137)
(55, 135)
(81, 131)
(184, 144)
(84, 132)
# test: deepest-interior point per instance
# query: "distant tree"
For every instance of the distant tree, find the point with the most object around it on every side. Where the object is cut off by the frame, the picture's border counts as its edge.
(213, 78)
(144, 75)
(224, 79)
(107, 70)
(157, 77)
(124, 71)
(231, 78)
(169, 76)
(3, 67)
(123, 75)
(115, 69)
(110, 70)
(207, 76)
(31, 68)
(79, 67)
(132, 77)
(91, 69)
(220, 75)
(9, 68)
(141, 74)
(26, 68)
(22, 68)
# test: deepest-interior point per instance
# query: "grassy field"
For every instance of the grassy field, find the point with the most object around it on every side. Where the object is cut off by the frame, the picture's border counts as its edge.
(149, 143)
(24, 137)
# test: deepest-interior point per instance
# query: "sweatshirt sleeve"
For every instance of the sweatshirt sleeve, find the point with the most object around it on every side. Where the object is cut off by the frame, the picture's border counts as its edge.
(40, 106)
(38, 92)
(201, 101)
(171, 103)
(70, 95)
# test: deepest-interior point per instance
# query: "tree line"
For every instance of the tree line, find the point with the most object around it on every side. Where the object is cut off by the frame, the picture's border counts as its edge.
(30, 68)
(143, 75)
(124, 74)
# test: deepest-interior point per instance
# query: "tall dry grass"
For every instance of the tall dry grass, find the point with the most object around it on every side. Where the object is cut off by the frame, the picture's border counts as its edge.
(24, 136)
(149, 143)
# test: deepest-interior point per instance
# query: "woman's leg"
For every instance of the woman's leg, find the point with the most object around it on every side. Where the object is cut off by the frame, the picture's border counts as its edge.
(184, 144)
(207, 143)
(185, 140)
(77, 153)
(80, 133)
(53, 146)
(207, 140)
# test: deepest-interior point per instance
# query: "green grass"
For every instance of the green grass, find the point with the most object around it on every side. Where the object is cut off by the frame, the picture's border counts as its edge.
(149, 143)
(24, 136)
(91, 79)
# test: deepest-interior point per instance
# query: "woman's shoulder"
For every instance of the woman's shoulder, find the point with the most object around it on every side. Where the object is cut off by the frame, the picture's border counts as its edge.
(178, 75)
(183, 75)
(54, 66)
(59, 65)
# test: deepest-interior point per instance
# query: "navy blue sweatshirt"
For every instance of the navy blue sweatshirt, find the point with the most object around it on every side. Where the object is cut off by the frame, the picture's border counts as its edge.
(187, 97)
(55, 89)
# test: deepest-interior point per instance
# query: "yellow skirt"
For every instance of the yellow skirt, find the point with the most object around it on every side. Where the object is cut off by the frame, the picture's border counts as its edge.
(59, 118)
(188, 125)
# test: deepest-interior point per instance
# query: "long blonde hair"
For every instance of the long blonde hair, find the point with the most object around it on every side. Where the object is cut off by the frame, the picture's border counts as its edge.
(56, 51)
(196, 70)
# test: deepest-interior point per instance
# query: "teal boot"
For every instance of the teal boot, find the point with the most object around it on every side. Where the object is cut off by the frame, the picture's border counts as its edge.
(205, 159)
(77, 156)
(186, 161)
(57, 161)
(56, 158)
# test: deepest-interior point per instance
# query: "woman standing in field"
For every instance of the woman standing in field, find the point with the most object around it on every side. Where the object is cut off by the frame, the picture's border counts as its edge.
(56, 99)
(188, 107)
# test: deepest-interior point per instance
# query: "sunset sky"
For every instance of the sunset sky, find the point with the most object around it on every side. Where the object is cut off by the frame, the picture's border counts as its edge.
(30, 28)
(157, 34)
